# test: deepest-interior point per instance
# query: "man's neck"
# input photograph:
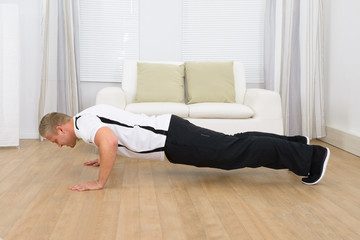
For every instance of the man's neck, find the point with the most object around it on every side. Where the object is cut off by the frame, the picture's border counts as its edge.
(71, 128)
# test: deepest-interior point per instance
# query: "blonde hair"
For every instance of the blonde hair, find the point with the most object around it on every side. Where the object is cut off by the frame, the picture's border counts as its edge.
(50, 121)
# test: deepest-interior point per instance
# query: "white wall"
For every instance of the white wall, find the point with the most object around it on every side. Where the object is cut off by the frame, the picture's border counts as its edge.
(342, 65)
(9, 74)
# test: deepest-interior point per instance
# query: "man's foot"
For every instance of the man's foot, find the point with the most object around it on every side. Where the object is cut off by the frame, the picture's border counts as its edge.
(318, 167)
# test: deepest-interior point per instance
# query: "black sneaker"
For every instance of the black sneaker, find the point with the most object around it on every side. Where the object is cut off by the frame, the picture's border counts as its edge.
(318, 168)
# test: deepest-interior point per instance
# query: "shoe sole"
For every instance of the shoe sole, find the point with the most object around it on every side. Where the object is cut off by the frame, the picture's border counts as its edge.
(323, 170)
(307, 140)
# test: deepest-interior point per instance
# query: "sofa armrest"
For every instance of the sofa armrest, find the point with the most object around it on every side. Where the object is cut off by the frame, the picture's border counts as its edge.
(113, 96)
(265, 103)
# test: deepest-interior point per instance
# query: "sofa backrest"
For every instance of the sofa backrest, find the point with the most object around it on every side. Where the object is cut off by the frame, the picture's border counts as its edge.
(129, 82)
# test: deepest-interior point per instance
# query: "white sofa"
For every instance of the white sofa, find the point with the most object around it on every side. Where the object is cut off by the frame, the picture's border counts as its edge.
(253, 110)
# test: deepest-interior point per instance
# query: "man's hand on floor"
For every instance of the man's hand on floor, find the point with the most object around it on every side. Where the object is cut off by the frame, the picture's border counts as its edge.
(93, 185)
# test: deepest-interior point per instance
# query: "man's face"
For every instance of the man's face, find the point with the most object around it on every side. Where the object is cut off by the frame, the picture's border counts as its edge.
(62, 138)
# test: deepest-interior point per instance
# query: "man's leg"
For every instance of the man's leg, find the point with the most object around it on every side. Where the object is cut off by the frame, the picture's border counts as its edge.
(298, 138)
(192, 145)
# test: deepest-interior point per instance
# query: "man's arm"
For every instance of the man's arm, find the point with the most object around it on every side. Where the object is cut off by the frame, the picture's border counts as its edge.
(107, 142)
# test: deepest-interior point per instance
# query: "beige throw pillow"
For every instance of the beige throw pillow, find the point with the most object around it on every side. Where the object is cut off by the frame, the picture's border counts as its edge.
(160, 82)
(210, 82)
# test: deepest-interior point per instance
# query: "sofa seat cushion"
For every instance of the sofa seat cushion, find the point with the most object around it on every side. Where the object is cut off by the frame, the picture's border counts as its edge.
(219, 110)
(158, 108)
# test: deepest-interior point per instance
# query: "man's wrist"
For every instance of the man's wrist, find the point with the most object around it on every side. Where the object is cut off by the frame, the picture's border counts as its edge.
(100, 183)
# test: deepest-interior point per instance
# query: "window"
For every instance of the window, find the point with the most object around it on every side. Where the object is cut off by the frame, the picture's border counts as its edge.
(225, 30)
(108, 35)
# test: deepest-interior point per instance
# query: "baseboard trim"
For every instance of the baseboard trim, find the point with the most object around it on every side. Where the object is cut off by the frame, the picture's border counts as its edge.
(343, 140)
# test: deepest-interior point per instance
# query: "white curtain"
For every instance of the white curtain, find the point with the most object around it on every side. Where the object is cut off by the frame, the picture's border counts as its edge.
(312, 71)
(59, 81)
(9, 74)
(294, 63)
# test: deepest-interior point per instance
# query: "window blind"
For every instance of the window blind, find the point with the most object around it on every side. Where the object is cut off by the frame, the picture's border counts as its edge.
(108, 34)
(225, 30)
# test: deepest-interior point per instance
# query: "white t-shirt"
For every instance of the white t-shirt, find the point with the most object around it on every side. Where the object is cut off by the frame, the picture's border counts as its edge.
(139, 136)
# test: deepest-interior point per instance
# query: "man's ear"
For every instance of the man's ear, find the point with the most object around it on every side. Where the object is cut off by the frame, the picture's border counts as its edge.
(59, 129)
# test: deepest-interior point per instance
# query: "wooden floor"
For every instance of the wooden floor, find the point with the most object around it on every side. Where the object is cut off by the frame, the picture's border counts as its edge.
(158, 200)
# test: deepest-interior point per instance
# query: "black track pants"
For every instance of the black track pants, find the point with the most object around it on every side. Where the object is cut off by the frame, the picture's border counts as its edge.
(192, 145)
